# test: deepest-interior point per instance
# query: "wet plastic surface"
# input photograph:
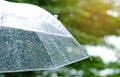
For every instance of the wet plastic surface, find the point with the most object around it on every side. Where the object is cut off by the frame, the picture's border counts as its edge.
(35, 43)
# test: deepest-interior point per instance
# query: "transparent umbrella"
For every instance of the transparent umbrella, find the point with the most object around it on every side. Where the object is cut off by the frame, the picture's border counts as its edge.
(33, 39)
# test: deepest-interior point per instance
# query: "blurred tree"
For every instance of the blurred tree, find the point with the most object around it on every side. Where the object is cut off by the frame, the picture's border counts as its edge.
(89, 16)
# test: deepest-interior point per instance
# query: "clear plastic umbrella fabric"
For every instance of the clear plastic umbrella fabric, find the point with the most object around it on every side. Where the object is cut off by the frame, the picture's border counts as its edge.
(34, 42)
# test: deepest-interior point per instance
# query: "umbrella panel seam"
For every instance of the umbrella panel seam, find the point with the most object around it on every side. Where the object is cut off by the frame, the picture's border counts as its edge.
(45, 49)
(39, 31)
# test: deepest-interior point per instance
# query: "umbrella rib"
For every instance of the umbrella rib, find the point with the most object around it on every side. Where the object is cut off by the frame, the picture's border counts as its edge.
(84, 50)
(1, 24)
(45, 49)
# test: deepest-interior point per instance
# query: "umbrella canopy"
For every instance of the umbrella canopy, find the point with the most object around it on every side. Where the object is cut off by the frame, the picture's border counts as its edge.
(33, 39)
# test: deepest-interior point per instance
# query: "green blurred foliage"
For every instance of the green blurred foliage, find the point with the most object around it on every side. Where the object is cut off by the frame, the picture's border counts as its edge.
(88, 21)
